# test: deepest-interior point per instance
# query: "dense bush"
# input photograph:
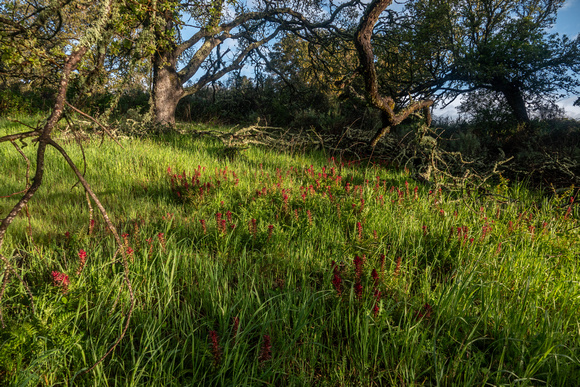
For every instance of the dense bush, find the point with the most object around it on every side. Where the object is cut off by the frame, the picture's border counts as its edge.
(242, 100)
(19, 100)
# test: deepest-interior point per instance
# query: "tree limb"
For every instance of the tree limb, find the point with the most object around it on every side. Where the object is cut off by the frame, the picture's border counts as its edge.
(105, 129)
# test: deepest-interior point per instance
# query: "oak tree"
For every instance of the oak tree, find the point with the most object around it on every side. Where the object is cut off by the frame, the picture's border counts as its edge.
(495, 45)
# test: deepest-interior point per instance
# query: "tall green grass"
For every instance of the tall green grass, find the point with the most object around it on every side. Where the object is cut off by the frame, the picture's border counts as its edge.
(474, 290)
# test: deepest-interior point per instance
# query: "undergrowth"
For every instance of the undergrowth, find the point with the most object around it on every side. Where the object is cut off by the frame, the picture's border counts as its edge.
(284, 269)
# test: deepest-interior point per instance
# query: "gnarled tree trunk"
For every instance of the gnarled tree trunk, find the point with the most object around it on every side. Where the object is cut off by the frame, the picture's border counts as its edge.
(514, 98)
(167, 84)
(167, 90)
(516, 102)
(366, 56)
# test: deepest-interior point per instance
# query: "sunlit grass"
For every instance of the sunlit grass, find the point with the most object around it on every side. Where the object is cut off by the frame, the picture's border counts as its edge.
(473, 289)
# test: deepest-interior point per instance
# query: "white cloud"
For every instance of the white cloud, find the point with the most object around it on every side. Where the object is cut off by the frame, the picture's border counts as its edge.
(571, 110)
(567, 4)
(448, 111)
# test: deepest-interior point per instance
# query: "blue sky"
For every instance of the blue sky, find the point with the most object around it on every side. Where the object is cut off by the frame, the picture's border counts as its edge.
(568, 23)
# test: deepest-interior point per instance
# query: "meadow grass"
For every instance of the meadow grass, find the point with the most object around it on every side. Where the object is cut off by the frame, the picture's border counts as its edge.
(284, 269)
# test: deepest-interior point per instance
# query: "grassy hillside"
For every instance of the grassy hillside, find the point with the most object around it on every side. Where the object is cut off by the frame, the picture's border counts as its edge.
(264, 267)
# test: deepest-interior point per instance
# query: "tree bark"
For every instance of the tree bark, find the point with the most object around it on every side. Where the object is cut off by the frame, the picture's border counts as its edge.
(516, 102)
(167, 88)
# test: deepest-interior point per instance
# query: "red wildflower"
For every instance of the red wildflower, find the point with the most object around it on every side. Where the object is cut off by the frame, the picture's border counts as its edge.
(150, 242)
(398, 267)
(235, 329)
(358, 290)
(266, 351)
(83, 259)
(382, 260)
(253, 225)
(161, 240)
(337, 282)
(60, 279)
(215, 348)
(358, 266)
(270, 229)
(424, 312)
(376, 308)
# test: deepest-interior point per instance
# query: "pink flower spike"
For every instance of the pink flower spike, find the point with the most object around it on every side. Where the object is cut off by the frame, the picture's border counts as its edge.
(336, 282)
(358, 289)
(215, 348)
(266, 351)
(60, 279)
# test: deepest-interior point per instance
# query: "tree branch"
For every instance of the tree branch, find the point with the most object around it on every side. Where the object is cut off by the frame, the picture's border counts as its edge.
(113, 230)
(105, 129)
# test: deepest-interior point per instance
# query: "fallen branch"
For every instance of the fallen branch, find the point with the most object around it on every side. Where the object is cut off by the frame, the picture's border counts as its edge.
(120, 243)
(105, 129)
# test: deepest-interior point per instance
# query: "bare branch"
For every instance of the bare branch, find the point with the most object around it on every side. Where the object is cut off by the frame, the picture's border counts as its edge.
(105, 129)
(235, 65)
(19, 136)
(113, 230)
(4, 282)
(366, 56)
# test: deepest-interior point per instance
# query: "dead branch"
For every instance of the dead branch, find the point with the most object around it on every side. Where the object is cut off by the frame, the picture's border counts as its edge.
(4, 282)
(268, 136)
(90, 231)
(105, 129)
(20, 136)
(113, 230)
(43, 137)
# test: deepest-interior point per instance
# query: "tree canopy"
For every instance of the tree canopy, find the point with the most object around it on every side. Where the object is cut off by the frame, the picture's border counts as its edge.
(499, 46)
(436, 49)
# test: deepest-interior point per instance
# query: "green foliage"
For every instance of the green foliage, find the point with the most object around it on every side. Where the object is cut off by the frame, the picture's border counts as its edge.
(271, 102)
(15, 101)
